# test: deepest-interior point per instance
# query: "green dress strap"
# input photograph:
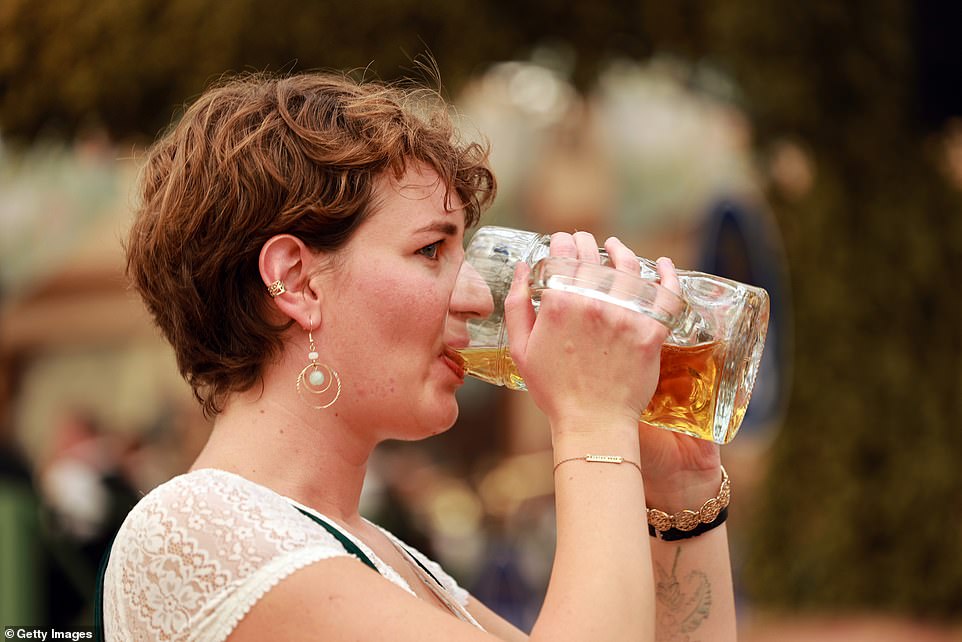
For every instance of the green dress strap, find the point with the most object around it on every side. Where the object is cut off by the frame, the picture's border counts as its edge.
(407, 551)
(99, 595)
(348, 545)
(352, 548)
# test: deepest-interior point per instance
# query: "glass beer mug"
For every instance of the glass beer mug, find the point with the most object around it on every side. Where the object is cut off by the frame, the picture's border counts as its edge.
(708, 363)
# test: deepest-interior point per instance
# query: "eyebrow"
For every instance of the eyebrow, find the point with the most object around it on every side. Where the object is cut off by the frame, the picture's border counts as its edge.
(449, 229)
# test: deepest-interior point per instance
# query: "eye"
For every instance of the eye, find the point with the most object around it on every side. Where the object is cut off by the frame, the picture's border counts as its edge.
(431, 251)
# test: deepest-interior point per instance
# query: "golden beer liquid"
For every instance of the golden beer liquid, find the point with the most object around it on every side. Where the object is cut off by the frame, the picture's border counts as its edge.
(684, 399)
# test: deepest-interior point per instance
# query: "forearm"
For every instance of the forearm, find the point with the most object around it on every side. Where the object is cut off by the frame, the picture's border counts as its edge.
(601, 585)
(694, 596)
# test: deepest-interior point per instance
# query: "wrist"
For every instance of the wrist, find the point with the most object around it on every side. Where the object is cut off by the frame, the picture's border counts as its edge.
(683, 489)
(587, 417)
(691, 522)
(575, 438)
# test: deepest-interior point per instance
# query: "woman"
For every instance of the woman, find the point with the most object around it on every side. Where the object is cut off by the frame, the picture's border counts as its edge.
(299, 243)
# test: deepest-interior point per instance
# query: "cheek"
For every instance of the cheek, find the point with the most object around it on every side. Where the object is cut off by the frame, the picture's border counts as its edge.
(409, 306)
(391, 313)
(398, 327)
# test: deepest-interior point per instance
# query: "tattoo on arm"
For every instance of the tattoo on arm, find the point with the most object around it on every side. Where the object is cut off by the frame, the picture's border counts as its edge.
(681, 604)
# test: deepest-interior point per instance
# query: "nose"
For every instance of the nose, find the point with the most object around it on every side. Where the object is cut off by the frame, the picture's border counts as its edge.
(471, 296)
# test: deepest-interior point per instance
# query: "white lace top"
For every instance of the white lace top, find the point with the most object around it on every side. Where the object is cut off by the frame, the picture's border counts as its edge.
(197, 552)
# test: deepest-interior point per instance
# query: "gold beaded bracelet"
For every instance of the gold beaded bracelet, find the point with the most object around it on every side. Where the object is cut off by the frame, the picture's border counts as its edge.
(712, 513)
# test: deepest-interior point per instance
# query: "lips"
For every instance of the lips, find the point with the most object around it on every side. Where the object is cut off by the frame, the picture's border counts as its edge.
(454, 361)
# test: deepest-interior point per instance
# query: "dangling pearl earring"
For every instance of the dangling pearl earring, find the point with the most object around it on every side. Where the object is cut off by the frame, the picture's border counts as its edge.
(317, 379)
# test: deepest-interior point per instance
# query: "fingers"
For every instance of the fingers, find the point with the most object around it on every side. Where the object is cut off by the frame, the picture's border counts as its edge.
(587, 247)
(519, 315)
(563, 244)
(622, 258)
(669, 278)
(580, 245)
(584, 247)
(669, 286)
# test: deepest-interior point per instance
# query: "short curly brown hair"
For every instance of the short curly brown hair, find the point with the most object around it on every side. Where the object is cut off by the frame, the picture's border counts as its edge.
(257, 156)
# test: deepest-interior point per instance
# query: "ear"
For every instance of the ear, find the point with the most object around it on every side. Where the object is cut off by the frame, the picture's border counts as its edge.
(285, 258)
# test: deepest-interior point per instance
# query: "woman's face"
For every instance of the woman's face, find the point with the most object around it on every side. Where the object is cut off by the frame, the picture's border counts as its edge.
(395, 303)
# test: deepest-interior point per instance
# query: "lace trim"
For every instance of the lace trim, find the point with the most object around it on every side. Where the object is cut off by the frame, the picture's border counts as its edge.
(199, 551)
(226, 614)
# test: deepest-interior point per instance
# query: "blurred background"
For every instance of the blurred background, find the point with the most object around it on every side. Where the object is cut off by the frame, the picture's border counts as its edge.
(814, 149)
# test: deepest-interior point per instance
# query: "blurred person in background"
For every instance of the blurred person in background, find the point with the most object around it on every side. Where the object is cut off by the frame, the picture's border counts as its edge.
(21, 559)
(300, 244)
(85, 498)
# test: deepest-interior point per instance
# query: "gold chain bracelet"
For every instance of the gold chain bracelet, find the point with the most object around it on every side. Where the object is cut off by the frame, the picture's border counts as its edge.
(599, 459)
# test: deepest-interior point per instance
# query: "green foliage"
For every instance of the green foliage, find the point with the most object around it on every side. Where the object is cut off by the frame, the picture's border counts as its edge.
(127, 66)
(861, 501)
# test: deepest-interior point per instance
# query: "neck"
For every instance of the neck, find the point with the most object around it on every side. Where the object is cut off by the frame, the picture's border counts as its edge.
(311, 456)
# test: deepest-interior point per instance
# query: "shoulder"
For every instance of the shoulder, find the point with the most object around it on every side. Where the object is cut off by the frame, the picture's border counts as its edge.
(196, 552)
(216, 513)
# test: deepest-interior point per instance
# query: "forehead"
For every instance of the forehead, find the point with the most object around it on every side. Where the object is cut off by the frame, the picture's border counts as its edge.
(417, 198)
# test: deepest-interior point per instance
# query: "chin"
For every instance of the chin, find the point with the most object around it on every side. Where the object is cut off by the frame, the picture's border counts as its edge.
(442, 423)
(441, 418)
(446, 427)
